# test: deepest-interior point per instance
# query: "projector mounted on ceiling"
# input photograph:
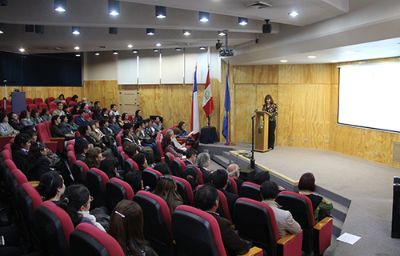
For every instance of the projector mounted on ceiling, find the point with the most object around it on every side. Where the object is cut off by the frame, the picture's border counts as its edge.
(258, 4)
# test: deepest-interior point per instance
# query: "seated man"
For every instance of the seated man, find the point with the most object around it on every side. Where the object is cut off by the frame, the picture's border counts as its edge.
(234, 172)
(219, 179)
(191, 155)
(207, 200)
(286, 223)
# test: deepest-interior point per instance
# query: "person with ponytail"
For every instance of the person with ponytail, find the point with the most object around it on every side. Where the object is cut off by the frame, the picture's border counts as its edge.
(51, 186)
(126, 226)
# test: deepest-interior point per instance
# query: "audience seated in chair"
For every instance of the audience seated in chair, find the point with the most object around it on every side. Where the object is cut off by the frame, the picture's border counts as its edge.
(14, 121)
(284, 219)
(234, 172)
(166, 188)
(109, 166)
(220, 180)
(162, 168)
(81, 147)
(206, 199)
(35, 116)
(60, 109)
(5, 128)
(126, 226)
(51, 187)
(203, 162)
(94, 157)
(56, 129)
(45, 115)
(113, 110)
(25, 118)
(20, 150)
(191, 156)
(168, 145)
(321, 206)
(38, 162)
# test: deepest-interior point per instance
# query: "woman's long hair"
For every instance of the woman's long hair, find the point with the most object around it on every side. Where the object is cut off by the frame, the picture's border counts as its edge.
(49, 184)
(268, 97)
(126, 226)
(75, 197)
(166, 188)
(167, 138)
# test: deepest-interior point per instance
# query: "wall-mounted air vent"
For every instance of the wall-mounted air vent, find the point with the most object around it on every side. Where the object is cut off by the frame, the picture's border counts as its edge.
(258, 4)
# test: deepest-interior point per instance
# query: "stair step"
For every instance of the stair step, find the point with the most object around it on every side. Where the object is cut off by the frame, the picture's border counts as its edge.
(219, 159)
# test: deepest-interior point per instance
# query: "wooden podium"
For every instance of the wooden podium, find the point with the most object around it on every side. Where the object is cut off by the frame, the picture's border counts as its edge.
(261, 131)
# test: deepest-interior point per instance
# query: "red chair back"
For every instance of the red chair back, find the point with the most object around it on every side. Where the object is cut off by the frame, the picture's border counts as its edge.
(232, 185)
(28, 101)
(116, 190)
(37, 101)
(185, 190)
(250, 190)
(150, 178)
(96, 181)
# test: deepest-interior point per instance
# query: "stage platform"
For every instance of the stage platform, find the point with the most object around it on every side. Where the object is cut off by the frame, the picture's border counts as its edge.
(361, 190)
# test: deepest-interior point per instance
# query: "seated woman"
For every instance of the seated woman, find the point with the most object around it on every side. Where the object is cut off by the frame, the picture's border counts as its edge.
(76, 203)
(20, 149)
(113, 124)
(95, 132)
(51, 186)
(182, 132)
(140, 159)
(124, 118)
(14, 121)
(167, 189)
(94, 157)
(45, 115)
(56, 129)
(109, 166)
(5, 128)
(126, 226)
(75, 109)
(321, 206)
(168, 145)
(25, 119)
(35, 116)
(84, 131)
(203, 162)
(38, 162)
(138, 118)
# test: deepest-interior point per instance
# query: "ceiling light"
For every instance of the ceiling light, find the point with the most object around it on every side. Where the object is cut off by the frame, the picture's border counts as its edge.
(178, 49)
(293, 14)
(204, 17)
(97, 53)
(113, 8)
(135, 51)
(76, 48)
(115, 52)
(60, 6)
(334, 61)
(1, 31)
(221, 33)
(76, 31)
(21, 49)
(283, 61)
(158, 44)
(243, 21)
(130, 46)
(161, 12)
(150, 31)
(156, 50)
(312, 57)
(78, 55)
(186, 32)
(203, 48)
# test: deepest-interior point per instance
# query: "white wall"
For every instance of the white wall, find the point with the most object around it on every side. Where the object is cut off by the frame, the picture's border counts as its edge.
(103, 67)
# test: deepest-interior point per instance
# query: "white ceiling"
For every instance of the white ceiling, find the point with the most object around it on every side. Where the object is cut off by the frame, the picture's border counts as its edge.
(329, 29)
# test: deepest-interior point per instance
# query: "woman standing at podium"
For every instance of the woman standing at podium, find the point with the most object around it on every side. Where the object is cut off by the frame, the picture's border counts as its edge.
(272, 110)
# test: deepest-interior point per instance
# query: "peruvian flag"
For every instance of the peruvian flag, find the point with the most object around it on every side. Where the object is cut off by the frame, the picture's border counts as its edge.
(208, 104)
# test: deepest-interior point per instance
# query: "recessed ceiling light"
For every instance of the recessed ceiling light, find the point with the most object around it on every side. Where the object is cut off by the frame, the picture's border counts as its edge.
(283, 61)
(115, 52)
(221, 33)
(76, 48)
(1, 32)
(178, 49)
(113, 8)
(60, 6)
(293, 14)
(203, 48)
(97, 53)
(204, 17)
(21, 49)
(186, 32)
(243, 21)
(156, 50)
(312, 57)
(150, 31)
(130, 45)
(135, 51)
(161, 12)
(76, 31)
(78, 55)
(158, 44)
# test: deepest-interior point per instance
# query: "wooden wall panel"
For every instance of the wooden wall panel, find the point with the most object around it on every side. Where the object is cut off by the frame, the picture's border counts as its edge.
(105, 91)
(261, 74)
(46, 91)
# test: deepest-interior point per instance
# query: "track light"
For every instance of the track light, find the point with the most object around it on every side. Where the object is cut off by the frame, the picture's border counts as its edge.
(186, 32)
(113, 8)
(76, 31)
(161, 12)
(243, 21)
(60, 6)
(113, 31)
(204, 17)
(150, 31)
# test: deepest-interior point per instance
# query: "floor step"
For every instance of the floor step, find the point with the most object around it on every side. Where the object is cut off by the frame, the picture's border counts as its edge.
(221, 160)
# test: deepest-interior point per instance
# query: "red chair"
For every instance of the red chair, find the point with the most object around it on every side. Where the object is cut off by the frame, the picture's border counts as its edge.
(169, 158)
(49, 100)
(72, 103)
(157, 222)
(250, 190)
(68, 99)
(14, 179)
(31, 106)
(316, 237)
(256, 222)
(44, 135)
(54, 228)
(52, 106)
(200, 177)
(185, 190)
(37, 101)
(223, 208)
(159, 146)
(196, 232)
(232, 186)
(118, 137)
(86, 239)
(71, 157)
(129, 165)
(79, 170)
(41, 106)
(116, 190)
(28, 101)
(8, 108)
(150, 178)
(178, 167)
(6, 154)
(96, 181)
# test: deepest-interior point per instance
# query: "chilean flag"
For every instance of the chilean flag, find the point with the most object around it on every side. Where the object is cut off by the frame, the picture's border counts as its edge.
(194, 121)
(208, 104)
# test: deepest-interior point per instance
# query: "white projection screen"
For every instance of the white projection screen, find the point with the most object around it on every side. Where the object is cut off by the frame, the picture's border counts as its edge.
(369, 96)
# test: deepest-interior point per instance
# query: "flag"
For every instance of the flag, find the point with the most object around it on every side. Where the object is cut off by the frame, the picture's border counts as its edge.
(227, 109)
(194, 122)
(208, 104)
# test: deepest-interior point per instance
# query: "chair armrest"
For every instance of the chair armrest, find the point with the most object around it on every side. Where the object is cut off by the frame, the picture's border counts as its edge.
(57, 139)
(322, 235)
(254, 251)
(290, 245)
(52, 145)
(60, 143)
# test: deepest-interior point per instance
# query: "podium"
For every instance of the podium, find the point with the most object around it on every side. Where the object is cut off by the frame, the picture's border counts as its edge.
(261, 131)
(18, 102)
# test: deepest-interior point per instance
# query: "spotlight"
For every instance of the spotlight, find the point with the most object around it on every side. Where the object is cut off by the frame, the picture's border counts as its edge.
(186, 32)
(158, 44)
(161, 12)
(204, 17)
(135, 51)
(243, 21)
(202, 48)
(113, 31)
(77, 48)
(113, 8)
(130, 46)
(178, 49)
(150, 31)
(76, 31)
(115, 52)
(293, 14)
(78, 55)
(218, 45)
(97, 54)
(1, 31)
(22, 50)
(156, 50)
(60, 6)
(267, 27)
(221, 33)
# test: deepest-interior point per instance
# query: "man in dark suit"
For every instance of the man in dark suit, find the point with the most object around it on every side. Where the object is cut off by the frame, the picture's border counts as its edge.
(219, 179)
(191, 155)
(207, 200)
(20, 150)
